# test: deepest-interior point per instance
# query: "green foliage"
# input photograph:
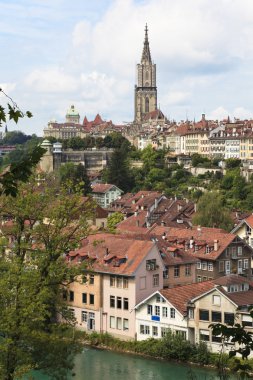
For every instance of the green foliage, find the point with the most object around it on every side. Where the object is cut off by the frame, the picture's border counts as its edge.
(20, 170)
(198, 160)
(72, 175)
(44, 224)
(113, 220)
(15, 137)
(232, 163)
(211, 212)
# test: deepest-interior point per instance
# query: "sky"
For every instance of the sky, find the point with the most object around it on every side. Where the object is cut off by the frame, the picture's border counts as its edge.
(55, 53)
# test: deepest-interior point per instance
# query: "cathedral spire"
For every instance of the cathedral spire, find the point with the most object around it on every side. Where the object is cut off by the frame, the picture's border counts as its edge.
(146, 56)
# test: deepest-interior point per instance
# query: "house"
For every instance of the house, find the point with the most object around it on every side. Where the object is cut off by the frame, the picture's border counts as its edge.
(218, 251)
(125, 271)
(105, 193)
(245, 230)
(191, 309)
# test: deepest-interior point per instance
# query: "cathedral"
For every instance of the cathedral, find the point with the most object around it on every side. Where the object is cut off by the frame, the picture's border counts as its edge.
(145, 90)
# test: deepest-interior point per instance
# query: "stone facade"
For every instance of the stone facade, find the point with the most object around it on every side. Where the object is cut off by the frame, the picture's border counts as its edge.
(145, 90)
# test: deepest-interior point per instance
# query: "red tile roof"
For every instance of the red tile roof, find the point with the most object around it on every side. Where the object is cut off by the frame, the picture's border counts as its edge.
(180, 295)
(101, 187)
(201, 237)
(126, 253)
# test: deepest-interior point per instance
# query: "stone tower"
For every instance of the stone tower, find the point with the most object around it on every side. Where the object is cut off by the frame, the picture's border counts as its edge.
(145, 90)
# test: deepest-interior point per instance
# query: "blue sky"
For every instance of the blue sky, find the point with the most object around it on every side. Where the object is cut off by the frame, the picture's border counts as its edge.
(55, 53)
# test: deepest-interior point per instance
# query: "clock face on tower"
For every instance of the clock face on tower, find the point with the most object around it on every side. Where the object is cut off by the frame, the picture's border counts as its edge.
(145, 90)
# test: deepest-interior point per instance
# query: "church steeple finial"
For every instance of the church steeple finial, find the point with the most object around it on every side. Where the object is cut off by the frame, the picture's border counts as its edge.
(146, 56)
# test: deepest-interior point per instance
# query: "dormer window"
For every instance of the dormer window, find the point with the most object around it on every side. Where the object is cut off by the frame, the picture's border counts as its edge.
(208, 249)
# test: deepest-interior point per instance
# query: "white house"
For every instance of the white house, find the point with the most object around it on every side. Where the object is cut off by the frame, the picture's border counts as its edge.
(155, 315)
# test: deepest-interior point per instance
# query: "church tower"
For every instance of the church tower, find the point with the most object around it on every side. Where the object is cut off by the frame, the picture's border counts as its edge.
(145, 90)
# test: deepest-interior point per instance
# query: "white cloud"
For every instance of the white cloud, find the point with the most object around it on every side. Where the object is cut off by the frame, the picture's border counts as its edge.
(53, 80)
(176, 97)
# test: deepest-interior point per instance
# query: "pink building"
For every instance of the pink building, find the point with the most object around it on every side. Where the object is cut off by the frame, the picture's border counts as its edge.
(127, 270)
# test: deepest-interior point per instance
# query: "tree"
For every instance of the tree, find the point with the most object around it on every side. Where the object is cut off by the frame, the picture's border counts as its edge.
(113, 220)
(118, 171)
(72, 175)
(15, 138)
(37, 228)
(21, 170)
(211, 212)
(232, 163)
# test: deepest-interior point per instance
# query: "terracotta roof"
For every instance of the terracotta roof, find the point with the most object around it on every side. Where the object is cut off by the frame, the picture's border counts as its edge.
(125, 253)
(232, 279)
(242, 298)
(180, 295)
(102, 187)
(249, 220)
(201, 237)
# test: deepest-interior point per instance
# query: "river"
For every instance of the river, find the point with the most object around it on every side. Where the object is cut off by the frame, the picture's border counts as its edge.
(93, 364)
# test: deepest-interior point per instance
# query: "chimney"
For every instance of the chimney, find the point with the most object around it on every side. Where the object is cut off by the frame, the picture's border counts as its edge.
(137, 223)
(195, 207)
(136, 213)
(156, 202)
(215, 245)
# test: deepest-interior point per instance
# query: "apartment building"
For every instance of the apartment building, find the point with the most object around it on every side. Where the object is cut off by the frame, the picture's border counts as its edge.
(119, 272)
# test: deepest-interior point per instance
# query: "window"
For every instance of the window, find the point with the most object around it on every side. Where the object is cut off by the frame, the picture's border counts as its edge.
(125, 283)
(119, 302)
(155, 280)
(239, 251)
(112, 323)
(112, 301)
(203, 315)
(157, 310)
(181, 333)
(84, 316)
(92, 299)
(112, 281)
(119, 323)
(84, 297)
(91, 279)
(204, 265)
(216, 316)
(229, 318)
(216, 300)
(227, 266)
(176, 271)
(125, 324)
(165, 312)
(125, 303)
(144, 329)
(166, 273)
(191, 313)
(199, 265)
(204, 335)
(164, 331)
(154, 330)
(71, 296)
(143, 282)
(245, 263)
(119, 282)
(216, 339)
(64, 295)
(188, 269)
(172, 312)
(221, 266)
(149, 309)
(210, 266)
(199, 279)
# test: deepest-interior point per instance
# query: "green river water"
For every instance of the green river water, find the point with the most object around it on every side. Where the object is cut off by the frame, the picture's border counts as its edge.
(94, 364)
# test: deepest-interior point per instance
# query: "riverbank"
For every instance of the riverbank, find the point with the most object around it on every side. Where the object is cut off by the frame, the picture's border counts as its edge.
(170, 348)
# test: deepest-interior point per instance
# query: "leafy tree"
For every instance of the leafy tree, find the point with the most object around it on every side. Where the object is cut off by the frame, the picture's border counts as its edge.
(232, 163)
(15, 137)
(76, 143)
(21, 170)
(72, 175)
(38, 227)
(211, 212)
(113, 220)
(197, 159)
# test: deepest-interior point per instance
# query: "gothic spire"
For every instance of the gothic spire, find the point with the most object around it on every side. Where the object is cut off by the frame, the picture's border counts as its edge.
(146, 56)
